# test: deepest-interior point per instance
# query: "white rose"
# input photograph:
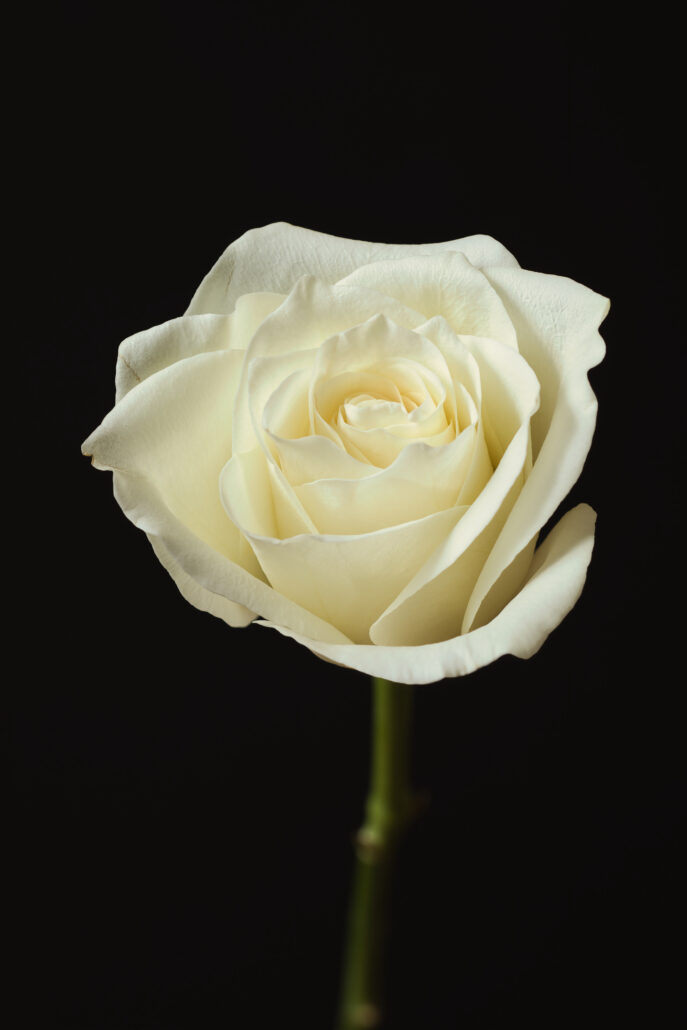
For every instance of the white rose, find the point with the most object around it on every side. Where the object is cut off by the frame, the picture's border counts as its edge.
(360, 443)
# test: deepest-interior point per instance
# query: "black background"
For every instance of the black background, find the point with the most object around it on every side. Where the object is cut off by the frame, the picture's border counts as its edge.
(187, 793)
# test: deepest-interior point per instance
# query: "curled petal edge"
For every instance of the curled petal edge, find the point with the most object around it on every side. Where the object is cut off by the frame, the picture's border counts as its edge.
(562, 440)
(552, 588)
(233, 614)
(212, 572)
(272, 257)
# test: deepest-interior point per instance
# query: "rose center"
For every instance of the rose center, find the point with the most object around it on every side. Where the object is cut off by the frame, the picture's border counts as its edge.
(365, 410)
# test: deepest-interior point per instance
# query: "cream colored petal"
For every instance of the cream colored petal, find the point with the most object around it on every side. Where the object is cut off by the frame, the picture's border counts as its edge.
(466, 409)
(421, 481)
(502, 590)
(432, 606)
(317, 457)
(250, 311)
(377, 344)
(175, 429)
(315, 311)
(433, 603)
(554, 584)
(286, 414)
(311, 314)
(245, 490)
(510, 392)
(404, 416)
(292, 518)
(213, 572)
(274, 256)
(481, 251)
(257, 498)
(233, 614)
(145, 353)
(331, 432)
(557, 322)
(350, 388)
(446, 285)
(381, 347)
(371, 413)
(480, 470)
(383, 446)
(357, 403)
(345, 580)
(462, 366)
(260, 379)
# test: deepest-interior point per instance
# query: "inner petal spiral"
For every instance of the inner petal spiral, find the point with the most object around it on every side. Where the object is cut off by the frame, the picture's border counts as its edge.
(377, 387)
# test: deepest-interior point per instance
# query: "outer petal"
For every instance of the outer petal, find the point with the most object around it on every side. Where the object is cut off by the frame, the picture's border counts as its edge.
(557, 322)
(442, 284)
(232, 613)
(145, 353)
(273, 257)
(160, 429)
(152, 440)
(552, 588)
(214, 574)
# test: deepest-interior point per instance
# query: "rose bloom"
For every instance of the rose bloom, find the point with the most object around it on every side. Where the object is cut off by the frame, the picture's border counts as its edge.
(359, 443)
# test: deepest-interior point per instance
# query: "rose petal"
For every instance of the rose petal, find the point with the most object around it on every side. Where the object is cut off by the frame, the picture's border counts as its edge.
(462, 367)
(261, 378)
(311, 314)
(510, 392)
(150, 351)
(420, 481)
(377, 343)
(378, 346)
(315, 311)
(286, 415)
(215, 574)
(557, 321)
(554, 584)
(345, 580)
(151, 440)
(382, 446)
(317, 457)
(233, 614)
(162, 428)
(257, 498)
(274, 256)
(432, 605)
(442, 284)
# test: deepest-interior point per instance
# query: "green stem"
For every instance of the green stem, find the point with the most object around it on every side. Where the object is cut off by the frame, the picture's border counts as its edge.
(387, 812)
